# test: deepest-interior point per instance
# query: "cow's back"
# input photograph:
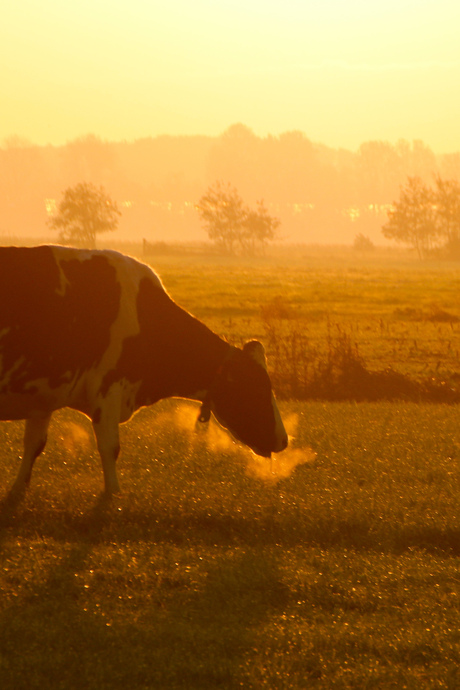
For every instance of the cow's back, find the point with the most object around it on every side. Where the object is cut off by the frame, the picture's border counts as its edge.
(60, 310)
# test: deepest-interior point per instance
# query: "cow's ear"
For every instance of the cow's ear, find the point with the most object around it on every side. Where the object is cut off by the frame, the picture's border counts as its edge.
(256, 351)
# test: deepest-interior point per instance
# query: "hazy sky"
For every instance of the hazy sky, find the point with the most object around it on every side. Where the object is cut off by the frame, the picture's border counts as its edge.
(341, 71)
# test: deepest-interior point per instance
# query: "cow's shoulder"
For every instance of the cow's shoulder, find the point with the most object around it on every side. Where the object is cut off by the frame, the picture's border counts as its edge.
(129, 268)
(27, 270)
(104, 266)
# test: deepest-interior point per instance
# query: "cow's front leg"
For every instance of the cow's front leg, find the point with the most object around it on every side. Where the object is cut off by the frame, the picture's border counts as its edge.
(108, 443)
(35, 435)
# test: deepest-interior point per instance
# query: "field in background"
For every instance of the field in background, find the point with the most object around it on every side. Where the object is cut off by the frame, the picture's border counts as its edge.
(393, 311)
(337, 566)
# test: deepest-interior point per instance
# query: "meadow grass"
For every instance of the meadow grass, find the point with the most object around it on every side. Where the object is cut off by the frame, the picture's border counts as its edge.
(211, 570)
(402, 314)
(336, 566)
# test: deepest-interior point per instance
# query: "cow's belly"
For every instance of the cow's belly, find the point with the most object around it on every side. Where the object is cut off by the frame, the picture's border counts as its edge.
(39, 399)
(18, 406)
(82, 393)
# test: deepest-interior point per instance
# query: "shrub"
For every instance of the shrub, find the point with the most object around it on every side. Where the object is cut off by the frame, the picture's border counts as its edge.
(299, 370)
(362, 243)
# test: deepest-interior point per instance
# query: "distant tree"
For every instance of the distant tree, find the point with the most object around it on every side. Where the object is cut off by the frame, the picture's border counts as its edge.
(412, 219)
(447, 203)
(258, 229)
(222, 211)
(362, 243)
(85, 211)
(230, 224)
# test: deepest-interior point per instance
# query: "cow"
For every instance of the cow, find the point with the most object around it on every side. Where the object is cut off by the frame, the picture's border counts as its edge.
(96, 331)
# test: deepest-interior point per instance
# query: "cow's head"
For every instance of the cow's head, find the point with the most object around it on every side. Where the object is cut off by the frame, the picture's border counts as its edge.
(242, 401)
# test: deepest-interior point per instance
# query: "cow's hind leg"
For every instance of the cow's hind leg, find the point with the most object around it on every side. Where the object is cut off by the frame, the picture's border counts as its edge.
(35, 434)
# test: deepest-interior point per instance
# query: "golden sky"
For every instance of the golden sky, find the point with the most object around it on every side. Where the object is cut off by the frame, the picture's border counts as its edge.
(341, 71)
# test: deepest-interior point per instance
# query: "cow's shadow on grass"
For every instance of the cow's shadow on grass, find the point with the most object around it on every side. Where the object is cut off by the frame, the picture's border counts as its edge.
(191, 634)
(178, 631)
(114, 520)
(8, 507)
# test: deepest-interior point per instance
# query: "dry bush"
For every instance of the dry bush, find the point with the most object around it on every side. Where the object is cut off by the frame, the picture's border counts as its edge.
(302, 370)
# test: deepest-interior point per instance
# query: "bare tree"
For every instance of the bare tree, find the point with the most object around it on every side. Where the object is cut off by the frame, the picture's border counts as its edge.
(85, 211)
(231, 224)
(412, 219)
(259, 227)
(222, 211)
(447, 199)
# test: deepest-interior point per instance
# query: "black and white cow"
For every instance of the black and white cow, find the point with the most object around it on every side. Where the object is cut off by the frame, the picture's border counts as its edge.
(96, 331)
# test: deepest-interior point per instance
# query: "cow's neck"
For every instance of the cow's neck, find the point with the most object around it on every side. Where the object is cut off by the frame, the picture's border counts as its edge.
(180, 355)
(197, 360)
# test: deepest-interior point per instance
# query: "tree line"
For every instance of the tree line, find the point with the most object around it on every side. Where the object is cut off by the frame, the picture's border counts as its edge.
(424, 217)
(317, 192)
(233, 227)
(427, 217)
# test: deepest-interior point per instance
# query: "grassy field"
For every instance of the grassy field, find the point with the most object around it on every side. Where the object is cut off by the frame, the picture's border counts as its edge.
(401, 313)
(337, 566)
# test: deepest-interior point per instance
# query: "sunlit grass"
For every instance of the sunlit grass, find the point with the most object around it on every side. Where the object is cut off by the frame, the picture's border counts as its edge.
(201, 574)
(334, 566)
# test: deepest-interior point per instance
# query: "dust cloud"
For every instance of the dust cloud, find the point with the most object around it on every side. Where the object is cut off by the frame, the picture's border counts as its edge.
(75, 438)
(281, 465)
(216, 439)
(183, 418)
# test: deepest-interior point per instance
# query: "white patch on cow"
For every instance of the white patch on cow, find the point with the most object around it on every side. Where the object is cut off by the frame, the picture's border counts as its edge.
(63, 281)
(129, 273)
(7, 375)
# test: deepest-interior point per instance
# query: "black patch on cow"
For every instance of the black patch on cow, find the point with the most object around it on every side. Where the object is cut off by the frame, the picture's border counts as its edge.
(50, 328)
(174, 353)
